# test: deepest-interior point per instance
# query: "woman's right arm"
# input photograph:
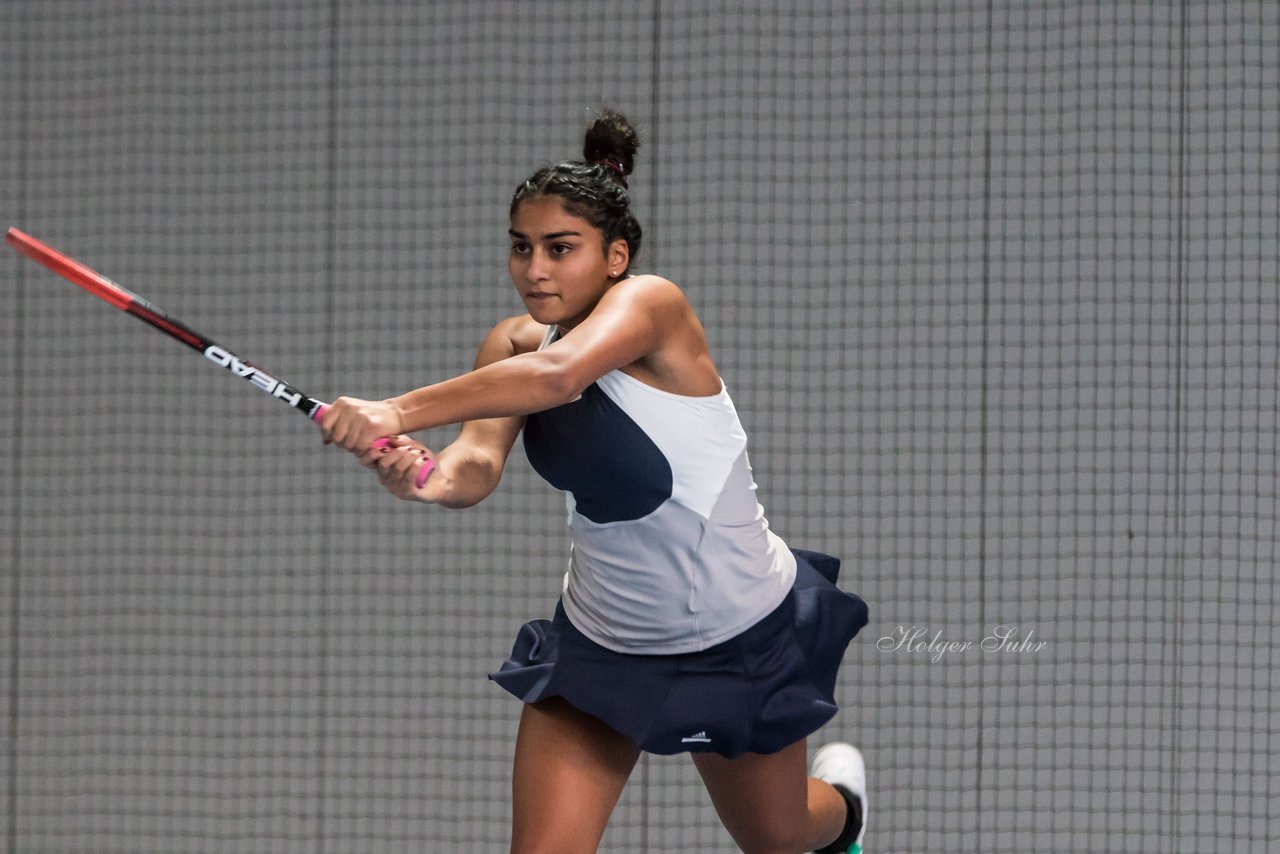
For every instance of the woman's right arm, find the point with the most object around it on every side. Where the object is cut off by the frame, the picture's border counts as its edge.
(468, 470)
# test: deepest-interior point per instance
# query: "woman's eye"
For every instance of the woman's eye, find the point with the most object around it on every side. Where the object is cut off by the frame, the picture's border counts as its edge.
(519, 248)
(561, 249)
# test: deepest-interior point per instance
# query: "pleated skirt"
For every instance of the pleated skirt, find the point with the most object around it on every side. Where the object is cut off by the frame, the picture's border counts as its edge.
(757, 692)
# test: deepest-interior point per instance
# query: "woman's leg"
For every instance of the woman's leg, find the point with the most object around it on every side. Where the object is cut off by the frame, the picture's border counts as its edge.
(770, 804)
(569, 771)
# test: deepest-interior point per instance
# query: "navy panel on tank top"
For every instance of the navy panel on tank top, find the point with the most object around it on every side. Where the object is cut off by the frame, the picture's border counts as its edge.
(591, 448)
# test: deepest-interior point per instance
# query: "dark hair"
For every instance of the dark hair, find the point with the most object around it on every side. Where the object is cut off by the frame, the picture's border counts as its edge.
(595, 188)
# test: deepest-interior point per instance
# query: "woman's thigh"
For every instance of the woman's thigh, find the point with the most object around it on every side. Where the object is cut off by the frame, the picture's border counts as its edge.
(769, 804)
(570, 769)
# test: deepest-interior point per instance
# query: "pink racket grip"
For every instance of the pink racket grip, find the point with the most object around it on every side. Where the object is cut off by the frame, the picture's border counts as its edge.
(424, 472)
(425, 469)
(428, 466)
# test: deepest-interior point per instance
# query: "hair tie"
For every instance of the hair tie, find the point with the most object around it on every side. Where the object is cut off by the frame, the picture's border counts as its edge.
(614, 166)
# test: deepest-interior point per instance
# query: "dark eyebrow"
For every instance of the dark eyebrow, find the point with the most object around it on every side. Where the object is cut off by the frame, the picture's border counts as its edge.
(518, 236)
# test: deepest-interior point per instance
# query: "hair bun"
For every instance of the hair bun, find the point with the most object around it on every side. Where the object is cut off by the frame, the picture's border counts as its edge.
(612, 143)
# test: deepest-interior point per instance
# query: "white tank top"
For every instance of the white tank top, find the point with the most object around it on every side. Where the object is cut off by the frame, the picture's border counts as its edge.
(670, 550)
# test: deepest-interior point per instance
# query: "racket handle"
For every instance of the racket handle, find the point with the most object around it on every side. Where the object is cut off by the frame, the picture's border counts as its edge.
(427, 466)
(424, 472)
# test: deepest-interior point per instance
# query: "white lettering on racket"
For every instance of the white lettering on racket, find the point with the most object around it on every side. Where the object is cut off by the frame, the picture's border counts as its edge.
(261, 379)
(282, 391)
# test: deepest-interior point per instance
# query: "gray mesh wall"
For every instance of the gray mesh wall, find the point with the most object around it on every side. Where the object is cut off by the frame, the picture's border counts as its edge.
(994, 287)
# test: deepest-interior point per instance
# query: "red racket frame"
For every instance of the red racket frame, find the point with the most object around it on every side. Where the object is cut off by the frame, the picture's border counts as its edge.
(127, 301)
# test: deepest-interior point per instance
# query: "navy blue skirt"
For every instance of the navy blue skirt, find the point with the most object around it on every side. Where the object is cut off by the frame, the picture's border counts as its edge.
(757, 692)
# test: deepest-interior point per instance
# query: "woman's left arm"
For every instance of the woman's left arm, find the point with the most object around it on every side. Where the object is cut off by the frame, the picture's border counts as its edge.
(630, 322)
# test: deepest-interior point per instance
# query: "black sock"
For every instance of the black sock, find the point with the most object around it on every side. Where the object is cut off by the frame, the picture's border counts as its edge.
(852, 823)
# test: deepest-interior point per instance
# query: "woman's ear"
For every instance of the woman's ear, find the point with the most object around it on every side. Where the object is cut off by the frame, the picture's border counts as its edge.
(618, 256)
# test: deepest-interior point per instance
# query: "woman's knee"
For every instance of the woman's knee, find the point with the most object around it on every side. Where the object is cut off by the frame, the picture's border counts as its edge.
(772, 840)
(552, 846)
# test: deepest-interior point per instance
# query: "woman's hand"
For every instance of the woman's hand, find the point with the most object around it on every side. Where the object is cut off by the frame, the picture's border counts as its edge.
(399, 465)
(355, 424)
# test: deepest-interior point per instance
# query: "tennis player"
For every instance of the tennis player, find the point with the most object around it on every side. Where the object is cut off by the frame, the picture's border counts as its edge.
(686, 624)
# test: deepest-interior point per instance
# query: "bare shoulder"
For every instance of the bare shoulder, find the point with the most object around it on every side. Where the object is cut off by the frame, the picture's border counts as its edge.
(657, 286)
(654, 292)
(522, 334)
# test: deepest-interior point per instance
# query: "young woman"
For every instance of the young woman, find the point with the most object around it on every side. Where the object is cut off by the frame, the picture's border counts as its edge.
(686, 624)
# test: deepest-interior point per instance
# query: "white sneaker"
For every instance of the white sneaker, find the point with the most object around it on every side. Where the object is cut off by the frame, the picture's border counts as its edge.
(841, 764)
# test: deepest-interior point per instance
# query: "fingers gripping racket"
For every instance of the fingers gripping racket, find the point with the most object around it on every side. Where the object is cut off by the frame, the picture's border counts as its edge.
(125, 300)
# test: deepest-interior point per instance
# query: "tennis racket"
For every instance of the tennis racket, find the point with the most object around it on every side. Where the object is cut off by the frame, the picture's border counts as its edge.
(127, 301)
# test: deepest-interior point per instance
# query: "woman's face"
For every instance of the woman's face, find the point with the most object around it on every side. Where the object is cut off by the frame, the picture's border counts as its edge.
(558, 262)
